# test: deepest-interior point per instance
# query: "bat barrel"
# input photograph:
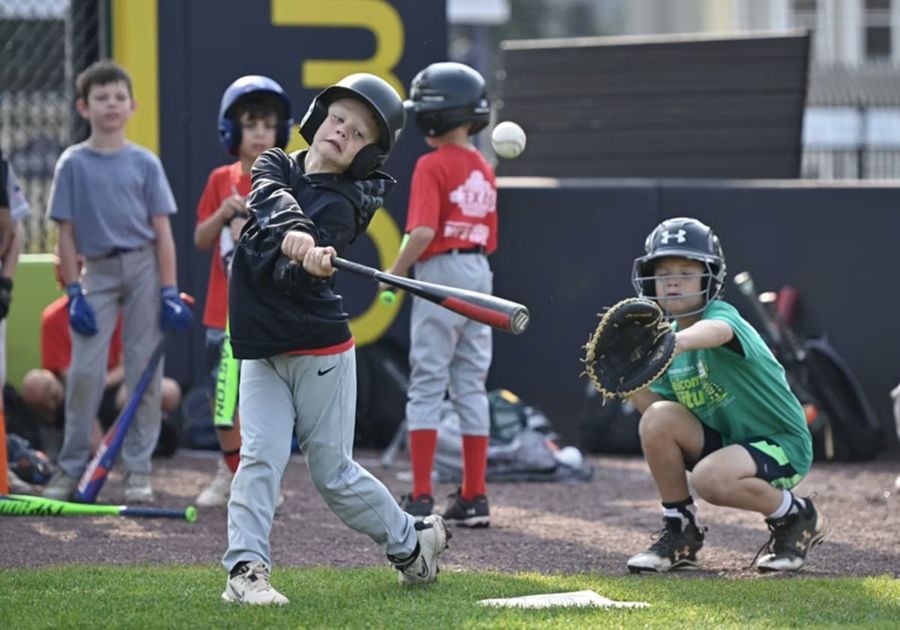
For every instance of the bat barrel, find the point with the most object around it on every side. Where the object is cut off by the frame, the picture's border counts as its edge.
(26, 505)
(482, 307)
(519, 320)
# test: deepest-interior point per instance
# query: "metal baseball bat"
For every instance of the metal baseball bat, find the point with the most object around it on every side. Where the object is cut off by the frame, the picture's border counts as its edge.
(744, 283)
(25, 505)
(781, 336)
(101, 463)
(502, 314)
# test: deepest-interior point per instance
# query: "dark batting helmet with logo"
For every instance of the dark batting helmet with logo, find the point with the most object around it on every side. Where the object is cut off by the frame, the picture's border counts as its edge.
(378, 95)
(446, 95)
(682, 237)
(244, 90)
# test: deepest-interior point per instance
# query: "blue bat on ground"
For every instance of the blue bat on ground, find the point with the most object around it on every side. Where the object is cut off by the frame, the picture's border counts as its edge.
(101, 463)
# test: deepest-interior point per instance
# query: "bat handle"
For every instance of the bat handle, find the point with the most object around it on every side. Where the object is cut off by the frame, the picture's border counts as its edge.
(189, 514)
(353, 267)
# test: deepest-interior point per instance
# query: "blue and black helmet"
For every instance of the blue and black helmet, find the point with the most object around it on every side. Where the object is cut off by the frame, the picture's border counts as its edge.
(243, 90)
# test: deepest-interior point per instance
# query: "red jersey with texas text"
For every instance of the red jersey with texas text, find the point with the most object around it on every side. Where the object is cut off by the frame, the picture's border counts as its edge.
(222, 183)
(454, 192)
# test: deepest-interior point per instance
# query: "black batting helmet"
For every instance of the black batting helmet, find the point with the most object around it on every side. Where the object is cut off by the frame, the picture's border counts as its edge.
(685, 238)
(446, 95)
(378, 95)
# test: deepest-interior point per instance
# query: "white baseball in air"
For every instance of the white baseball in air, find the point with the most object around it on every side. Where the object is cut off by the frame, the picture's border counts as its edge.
(508, 140)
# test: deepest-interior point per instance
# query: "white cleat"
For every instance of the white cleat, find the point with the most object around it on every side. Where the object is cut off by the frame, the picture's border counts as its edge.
(432, 537)
(251, 586)
(218, 491)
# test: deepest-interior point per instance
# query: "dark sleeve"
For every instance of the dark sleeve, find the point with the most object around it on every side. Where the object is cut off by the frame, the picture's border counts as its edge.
(271, 200)
(335, 227)
(274, 212)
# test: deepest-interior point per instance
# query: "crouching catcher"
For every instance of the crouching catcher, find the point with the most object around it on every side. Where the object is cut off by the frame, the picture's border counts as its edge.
(723, 410)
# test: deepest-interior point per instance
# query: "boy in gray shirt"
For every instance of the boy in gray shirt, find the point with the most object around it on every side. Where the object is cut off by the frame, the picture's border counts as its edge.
(111, 202)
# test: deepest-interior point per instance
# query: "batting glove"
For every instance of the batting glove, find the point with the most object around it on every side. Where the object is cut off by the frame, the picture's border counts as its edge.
(6, 285)
(81, 315)
(175, 315)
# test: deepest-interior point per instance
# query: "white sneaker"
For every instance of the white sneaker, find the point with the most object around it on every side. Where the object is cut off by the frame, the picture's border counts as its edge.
(138, 488)
(60, 487)
(216, 493)
(432, 538)
(219, 489)
(251, 586)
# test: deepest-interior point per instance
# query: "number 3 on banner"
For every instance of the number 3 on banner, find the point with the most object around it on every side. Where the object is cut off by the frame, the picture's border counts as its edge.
(376, 16)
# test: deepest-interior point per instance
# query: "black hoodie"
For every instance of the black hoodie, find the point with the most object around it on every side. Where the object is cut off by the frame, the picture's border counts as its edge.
(276, 307)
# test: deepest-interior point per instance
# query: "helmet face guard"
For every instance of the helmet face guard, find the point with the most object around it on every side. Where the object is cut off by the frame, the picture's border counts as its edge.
(681, 238)
(252, 86)
(385, 104)
(447, 95)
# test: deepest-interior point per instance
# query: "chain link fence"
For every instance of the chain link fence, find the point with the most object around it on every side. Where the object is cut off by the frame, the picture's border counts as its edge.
(44, 44)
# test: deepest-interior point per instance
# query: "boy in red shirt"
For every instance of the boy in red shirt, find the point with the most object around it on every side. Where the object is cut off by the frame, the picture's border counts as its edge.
(254, 115)
(451, 229)
(43, 390)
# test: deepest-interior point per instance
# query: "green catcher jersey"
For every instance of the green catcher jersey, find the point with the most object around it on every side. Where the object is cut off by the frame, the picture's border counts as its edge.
(739, 396)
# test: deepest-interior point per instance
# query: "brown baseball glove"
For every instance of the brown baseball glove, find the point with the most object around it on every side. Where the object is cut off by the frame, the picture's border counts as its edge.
(631, 347)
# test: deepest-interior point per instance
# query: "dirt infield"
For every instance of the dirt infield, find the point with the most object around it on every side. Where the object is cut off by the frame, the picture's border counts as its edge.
(543, 527)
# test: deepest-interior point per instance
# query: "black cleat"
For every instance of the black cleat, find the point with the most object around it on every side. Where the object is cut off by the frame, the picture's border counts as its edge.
(674, 549)
(791, 539)
(474, 513)
(420, 507)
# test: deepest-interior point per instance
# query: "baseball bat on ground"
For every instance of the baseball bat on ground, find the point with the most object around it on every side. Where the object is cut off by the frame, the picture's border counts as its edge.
(502, 314)
(101, 463)
(25, 505)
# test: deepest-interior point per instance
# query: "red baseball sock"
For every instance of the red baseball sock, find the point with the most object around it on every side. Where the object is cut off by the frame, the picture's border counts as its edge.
(422, 444)
(474, 466)
(232, 459)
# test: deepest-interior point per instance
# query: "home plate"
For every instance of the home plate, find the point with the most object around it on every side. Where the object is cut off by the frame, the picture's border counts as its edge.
(567, 600)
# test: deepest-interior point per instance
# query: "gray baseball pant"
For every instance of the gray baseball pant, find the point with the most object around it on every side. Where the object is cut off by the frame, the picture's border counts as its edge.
(449, 351)
(316, 397)
(130, 282)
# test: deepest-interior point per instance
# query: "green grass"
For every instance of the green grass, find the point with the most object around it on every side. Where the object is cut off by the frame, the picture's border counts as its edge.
(188, 597)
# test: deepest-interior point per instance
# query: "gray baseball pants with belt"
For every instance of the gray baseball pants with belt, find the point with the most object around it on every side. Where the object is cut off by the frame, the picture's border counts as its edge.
(128, 281)
(449, 351)
(314, 396)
